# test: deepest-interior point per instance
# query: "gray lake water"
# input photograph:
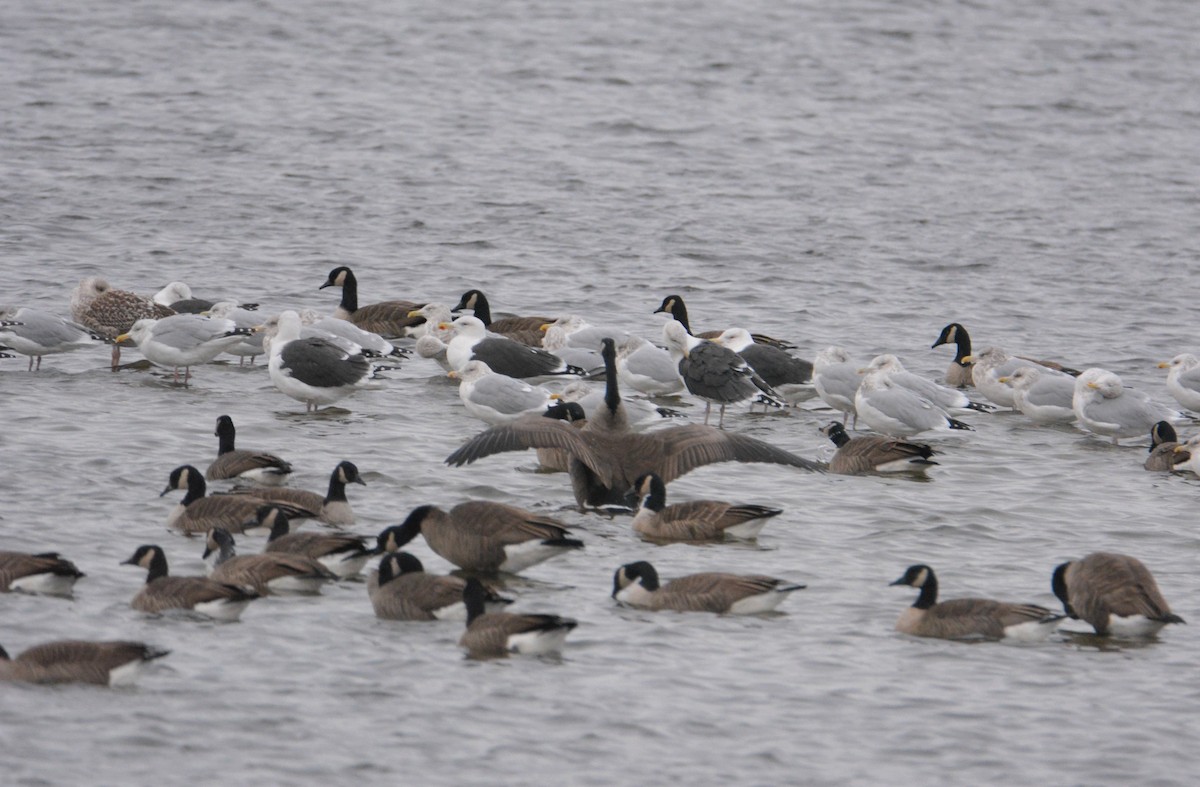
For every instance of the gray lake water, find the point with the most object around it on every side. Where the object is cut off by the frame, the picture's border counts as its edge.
(856, 173)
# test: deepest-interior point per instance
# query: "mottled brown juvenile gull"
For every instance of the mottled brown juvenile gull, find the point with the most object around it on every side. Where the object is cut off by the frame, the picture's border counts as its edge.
(111, 313)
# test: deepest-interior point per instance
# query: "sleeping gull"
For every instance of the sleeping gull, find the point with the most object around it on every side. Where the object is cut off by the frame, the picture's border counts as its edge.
(498, 398)
(951, 400)
(183, 340)
(1183, 380)
(1105, 407)
(836, 378)
(36, 333)
(988, 366)
(647, 368)
(314, 371)
(890, 408)
(111, 313)
(713, 373)
(1045, 396)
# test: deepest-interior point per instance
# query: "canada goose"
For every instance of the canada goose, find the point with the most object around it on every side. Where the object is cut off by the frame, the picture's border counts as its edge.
(342, 553)
(503, 356)
(36, 333)
(1044, 396)
(1163, 445)
(183, 340)
(1183, 380)
(1104, 407)
(403, 591)
(45, 573)
(606, 458)
(951, 400)
(897, 411)
(674, 306)
(217, 600)
(112, 663)
(314, 371)
(714, 373)
(958, 374)
(641, 414)
(497, 398)
(491, 634)
(556, 459)
(332, 509)
(389, 319)
(98, 307)
(267, 573)
(481, 535)
(873, 454)
(1115, 593)
(526, 330)
(231, 462)
(787, 375)
(969, 618)
(196, 513)
(696, 520)
(637, 585)
(836, 378)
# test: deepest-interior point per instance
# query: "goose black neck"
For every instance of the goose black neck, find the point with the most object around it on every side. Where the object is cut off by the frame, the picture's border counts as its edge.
(656, 499)
(337, 487)
(674, 306)
(477, 302)
(647, 574)
(280, 527)
(837, 433)
(928, 595)
(158, 566)
(962, 341)
(196, 487)
(473, 599)
(226, 435)
(612, 392)
(1059, 585)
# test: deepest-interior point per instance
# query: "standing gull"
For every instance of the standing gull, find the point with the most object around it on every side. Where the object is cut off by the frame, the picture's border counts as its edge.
(1105, 407)
(313, 371)
(503, 356)
(250, 346)
(836, 378)
(1183, 380)
(184, 340)
(36, 333)
(714, 373)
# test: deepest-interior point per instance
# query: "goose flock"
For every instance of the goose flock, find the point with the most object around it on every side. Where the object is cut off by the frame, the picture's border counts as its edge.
(592, 402)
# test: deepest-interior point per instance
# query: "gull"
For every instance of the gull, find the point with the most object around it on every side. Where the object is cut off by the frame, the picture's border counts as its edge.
(498, 398)
(36, 333)
(1105, 407)
(1045, 396)
(836, 378)
(1183, 380)
(314, 371)
(184, 340)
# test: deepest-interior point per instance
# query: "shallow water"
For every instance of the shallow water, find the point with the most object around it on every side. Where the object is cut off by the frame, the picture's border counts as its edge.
(858, 174)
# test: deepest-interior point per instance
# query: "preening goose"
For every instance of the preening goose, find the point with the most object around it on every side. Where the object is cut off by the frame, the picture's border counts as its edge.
(1163, 445)
(46, 573)
(492, 634)
(403, 591)
(1115, 593)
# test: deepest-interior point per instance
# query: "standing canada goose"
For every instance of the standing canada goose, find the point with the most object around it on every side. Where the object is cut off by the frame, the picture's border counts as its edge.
(1183, 380)
(491, 634)
(332, 509)
(481, 535)
(873, 454)
(403, 591)
(46, 573)
(389, 319)
(969, 618)
(787, 375)
(314, 371)
(268, 573)
(112, 663)
(606, 458)
(1115, 593)
(714, 373)
(526, 330)
(1105, 407)
(1163, 445)
(98, 307)
(471, 342)
(1045, 396)
(342, 553)
(697, 520)
(897, 411)
(674, 306)
(35, 333)
(231, 462)
(958, 374)
(637, 585)
(217, 600)
(196, 513)
(836, 378)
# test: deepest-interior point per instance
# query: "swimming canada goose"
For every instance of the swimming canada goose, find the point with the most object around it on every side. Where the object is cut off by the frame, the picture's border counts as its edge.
(389, 319)
(183, 340)
(314, 371)
(217, 600)
(787, 375)
(497, 398)
(637, 585)
(526, 330)
(342, 553)
(232, 462)
(491, 634)
(1105, 407)
(958, 374)
(35, 333)
(46, 573)
(836, 378)
(696, 520)
(111, 663)
(196, 513)
(267, 573)
(332, 509)
(873, 454)
(1163, 445)
(471, 342)
(98, 307)
(481, 535)
(969, 618)
(606, 458)
(897, 411)
(1115, 593)
(674, 306)
(714, 373)
(403, 591)
(1045, 396)
(1183, 380)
